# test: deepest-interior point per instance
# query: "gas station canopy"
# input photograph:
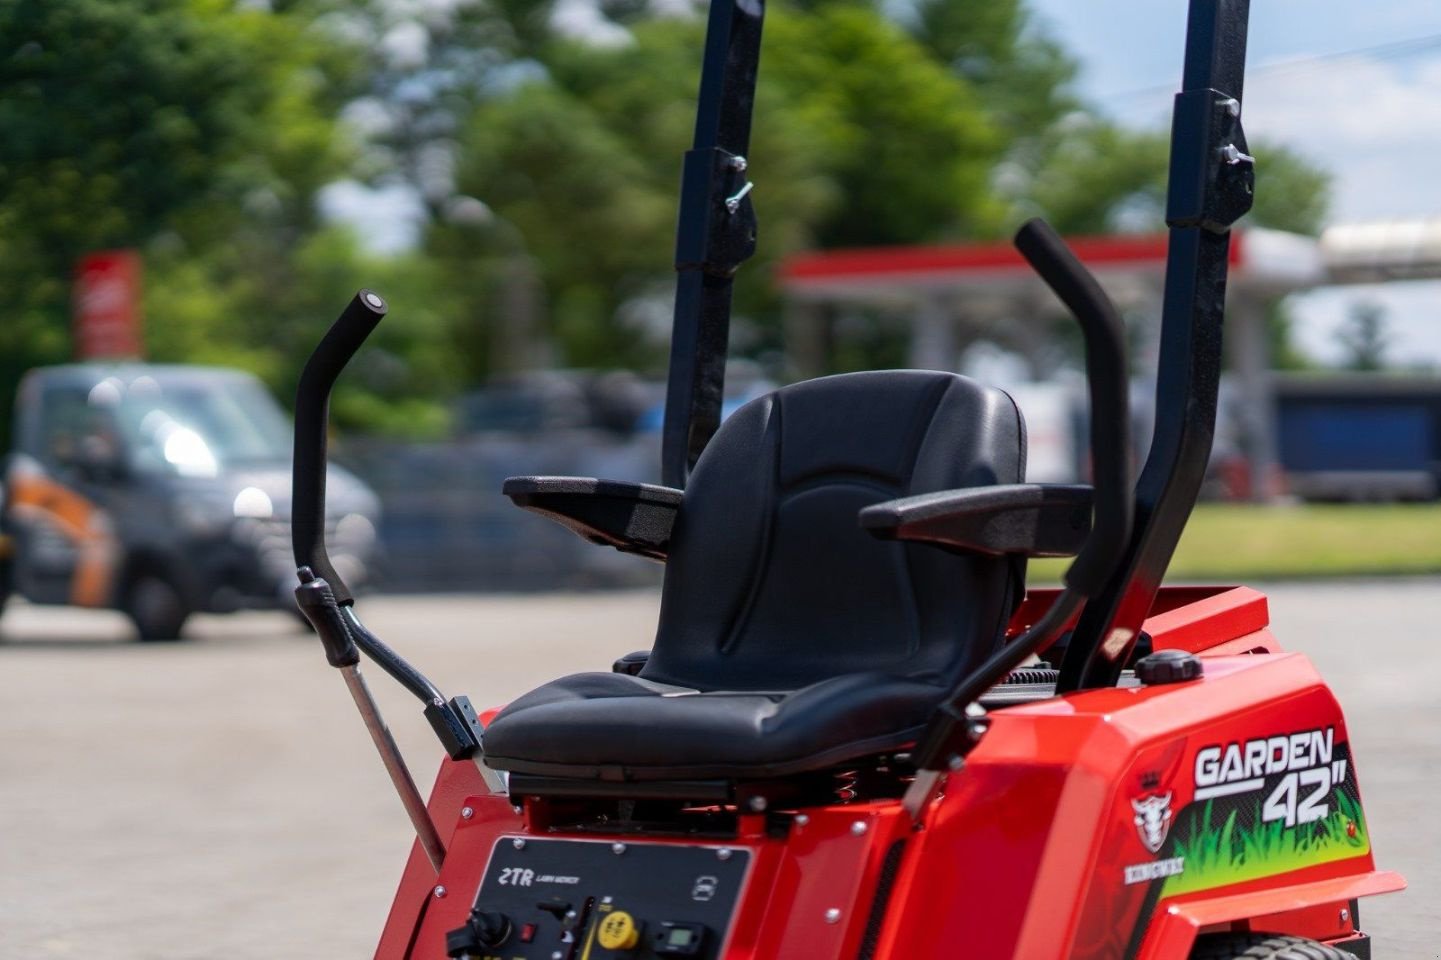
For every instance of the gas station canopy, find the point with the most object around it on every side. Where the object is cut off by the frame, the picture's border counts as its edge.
(951, 295)
(1270, 262)
(1268, 259)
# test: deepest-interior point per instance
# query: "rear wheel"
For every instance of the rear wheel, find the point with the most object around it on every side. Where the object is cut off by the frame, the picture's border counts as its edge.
(154, 604)
(1262, 946)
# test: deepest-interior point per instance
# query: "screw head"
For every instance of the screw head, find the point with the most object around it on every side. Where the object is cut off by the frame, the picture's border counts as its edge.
(1345, 915)
(466, 813)
(757, 804)
(617, 848)
(724, 853)
(802, 819)
(1232, 105)
(859, 828)
(739, 164)
(518, 843)
(439, 892)
(833, 915)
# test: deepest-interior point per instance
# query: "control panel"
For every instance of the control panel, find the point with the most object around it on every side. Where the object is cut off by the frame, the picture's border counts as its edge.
(602, 900)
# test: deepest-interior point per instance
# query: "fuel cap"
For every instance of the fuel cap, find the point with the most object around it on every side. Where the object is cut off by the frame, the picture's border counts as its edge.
(618, 931)
(1168, 666)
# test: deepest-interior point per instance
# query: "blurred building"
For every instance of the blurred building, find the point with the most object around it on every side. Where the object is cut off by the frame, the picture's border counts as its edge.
(948, 298)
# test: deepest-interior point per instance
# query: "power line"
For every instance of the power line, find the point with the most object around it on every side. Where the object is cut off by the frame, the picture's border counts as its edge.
(1389, 51)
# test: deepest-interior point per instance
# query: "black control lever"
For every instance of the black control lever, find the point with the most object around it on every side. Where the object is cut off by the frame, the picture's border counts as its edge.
(1108, 382)
(324, 598)
(959, 723)
(312, 416)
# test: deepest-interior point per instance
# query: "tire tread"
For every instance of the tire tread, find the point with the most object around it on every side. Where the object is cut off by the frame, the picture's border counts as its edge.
(1262, 946)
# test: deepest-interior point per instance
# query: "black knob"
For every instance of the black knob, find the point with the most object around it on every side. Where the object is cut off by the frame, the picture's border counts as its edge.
(491, 929)
(484, 930)
(1168, 666)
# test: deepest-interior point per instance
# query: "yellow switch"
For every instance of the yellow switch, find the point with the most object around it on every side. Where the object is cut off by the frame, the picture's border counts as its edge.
(618, 931)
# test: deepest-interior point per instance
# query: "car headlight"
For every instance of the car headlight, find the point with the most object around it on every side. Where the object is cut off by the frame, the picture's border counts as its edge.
(355, 531)
(253, 503)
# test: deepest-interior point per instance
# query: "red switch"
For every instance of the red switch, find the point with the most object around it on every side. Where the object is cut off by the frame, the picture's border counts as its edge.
(527, 933)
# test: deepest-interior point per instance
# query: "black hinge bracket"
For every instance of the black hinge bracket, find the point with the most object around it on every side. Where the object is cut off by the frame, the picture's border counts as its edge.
(715, 192)
(456, 725)
(1213, 183)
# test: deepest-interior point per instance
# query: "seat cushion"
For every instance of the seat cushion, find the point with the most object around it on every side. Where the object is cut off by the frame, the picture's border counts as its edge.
(612, 726)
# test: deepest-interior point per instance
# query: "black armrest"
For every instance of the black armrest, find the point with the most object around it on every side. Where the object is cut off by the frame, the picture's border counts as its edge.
(632, 517)
(1026, 519)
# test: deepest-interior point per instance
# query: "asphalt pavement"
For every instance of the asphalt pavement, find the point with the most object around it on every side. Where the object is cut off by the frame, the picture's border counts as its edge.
(219, 797)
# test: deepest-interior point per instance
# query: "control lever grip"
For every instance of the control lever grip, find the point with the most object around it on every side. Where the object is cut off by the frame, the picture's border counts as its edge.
(1109, 384)
(312, 413)
(317, 601)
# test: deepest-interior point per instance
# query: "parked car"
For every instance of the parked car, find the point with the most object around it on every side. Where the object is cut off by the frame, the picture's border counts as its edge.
(160, 491)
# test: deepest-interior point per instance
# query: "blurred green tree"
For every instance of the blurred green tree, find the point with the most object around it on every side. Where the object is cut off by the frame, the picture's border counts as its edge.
(173, 126)
(862, 137)
(1364, 337)
(876, 123)
(545, 164)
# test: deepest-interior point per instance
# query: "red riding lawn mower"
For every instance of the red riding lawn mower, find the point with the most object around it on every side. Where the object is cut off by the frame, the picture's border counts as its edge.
(857, 735)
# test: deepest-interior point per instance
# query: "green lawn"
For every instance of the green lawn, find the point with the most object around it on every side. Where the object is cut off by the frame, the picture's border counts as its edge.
(1232, 542)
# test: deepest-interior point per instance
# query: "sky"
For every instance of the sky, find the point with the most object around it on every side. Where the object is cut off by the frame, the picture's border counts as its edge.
(1371, 118)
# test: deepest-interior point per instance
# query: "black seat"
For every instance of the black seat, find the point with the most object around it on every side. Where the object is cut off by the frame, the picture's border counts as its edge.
(789, 638)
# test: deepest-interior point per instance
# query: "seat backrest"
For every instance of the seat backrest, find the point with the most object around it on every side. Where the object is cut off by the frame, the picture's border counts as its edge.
(771, 583)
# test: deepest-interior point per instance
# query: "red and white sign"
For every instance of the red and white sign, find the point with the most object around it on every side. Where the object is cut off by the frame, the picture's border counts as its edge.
(107, 306)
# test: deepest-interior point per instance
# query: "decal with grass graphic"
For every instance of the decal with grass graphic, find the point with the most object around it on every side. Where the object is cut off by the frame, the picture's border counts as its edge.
(1301, 810)
(1218, 850)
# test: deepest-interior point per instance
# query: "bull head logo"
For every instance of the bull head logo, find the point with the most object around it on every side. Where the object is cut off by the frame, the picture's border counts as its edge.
(1153, 819)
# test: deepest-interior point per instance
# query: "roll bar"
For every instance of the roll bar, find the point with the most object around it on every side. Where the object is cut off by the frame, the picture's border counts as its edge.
(715, 234)
(1211, 186)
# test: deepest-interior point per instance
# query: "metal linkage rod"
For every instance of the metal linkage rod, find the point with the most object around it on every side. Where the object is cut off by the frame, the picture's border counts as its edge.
(390, 755)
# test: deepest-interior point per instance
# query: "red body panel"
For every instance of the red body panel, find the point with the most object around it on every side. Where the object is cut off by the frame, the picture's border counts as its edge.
(1075, 829)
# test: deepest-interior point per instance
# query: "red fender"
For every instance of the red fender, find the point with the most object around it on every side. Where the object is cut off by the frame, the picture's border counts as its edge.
(1174, 931)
